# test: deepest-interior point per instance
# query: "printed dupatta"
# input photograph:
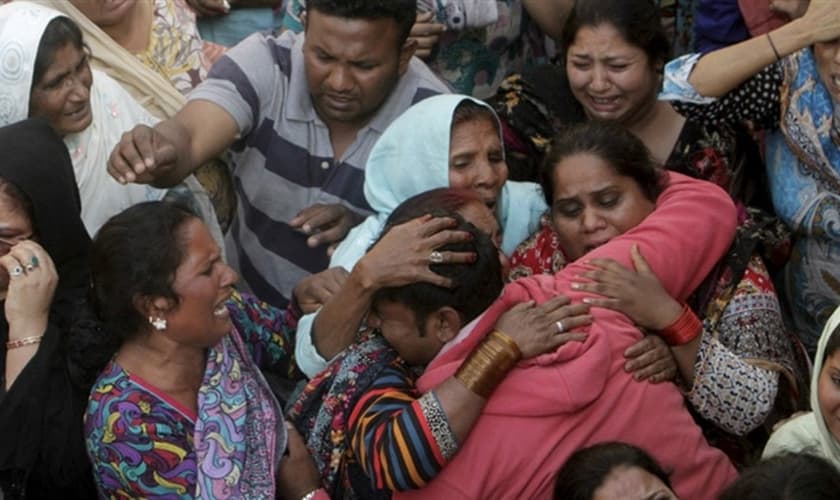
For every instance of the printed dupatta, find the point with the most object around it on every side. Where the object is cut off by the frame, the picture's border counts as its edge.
(239, 433)
(803, 163)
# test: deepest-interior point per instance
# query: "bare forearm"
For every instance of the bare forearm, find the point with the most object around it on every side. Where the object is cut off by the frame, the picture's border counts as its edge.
(550, 15)
(723, 70)
(337, 322)
(462, 406)
(178, 135)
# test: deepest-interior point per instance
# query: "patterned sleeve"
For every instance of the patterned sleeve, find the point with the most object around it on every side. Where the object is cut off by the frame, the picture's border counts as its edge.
(138, 447)
(266, 331)
(541, 253)
(737, 373)
(737, 396)
(400, 441)
(757, 100)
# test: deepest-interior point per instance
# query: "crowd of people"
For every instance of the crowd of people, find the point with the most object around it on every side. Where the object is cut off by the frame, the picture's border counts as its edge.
(370, 249)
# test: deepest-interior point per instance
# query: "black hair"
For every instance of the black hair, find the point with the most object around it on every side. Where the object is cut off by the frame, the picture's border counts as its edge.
(467, 111)
(638, 22)
(584, 472)
(136, 254)
(475, 285)
(403, 12)
(790, 476)
(833, 344)
(59, 32)
(614, 144)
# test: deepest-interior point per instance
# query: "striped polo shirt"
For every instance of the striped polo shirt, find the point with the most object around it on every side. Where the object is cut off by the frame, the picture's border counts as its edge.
(283, 160)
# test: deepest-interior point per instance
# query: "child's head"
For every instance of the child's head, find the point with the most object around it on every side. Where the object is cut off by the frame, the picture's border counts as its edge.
(828, 386)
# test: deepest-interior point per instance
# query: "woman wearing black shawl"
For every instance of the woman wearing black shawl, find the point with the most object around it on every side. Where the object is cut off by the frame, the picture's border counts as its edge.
(42, 453)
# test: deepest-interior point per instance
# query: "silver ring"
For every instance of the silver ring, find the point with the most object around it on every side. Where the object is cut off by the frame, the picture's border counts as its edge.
(16, 271)
(29, 268)
(560, 327)
(436, 257)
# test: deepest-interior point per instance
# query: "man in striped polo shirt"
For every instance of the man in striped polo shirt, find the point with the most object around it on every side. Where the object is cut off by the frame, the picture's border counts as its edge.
(300, 113)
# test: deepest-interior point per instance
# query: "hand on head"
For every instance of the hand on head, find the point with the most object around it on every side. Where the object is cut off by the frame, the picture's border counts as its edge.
(823, 20)
(403, 255)
(141, 156)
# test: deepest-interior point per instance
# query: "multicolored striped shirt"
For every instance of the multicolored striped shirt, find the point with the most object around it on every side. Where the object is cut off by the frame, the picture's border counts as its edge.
(400, 438)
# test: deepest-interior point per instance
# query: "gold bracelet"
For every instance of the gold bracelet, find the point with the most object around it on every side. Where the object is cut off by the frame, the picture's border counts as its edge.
(13, 344)
(504, 337)
(488, 364)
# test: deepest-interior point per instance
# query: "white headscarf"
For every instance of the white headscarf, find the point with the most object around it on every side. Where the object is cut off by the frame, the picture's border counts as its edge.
(114, 111)
(829, 445)
(412, 156)
(21, 26)
(809, 433)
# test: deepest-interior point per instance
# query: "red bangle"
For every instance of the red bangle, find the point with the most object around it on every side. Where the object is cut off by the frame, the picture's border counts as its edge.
(682, 331)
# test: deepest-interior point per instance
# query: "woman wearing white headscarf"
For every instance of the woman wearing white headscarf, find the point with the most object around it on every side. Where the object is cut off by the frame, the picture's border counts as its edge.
(818, 431)
(443, 141)
(44, 72)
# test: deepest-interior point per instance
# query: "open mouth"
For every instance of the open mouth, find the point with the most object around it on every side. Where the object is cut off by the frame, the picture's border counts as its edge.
(603, 103)
(221, 310)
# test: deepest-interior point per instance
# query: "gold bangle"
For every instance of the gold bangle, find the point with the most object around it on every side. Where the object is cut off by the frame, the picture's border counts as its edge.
(504, 337)
(13, 344)
(488, 364)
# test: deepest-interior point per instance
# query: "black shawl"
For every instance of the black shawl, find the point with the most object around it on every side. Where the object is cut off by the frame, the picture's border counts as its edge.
(42, 451)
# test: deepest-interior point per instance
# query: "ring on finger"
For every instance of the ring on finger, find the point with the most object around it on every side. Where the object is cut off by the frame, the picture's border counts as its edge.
(35, 262)
(29, 268)
(560, 327)
(16, 271)
(436, 257)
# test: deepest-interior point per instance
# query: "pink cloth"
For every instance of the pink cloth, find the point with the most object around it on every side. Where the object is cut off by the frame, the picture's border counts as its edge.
(759, 18)
(580, 394)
